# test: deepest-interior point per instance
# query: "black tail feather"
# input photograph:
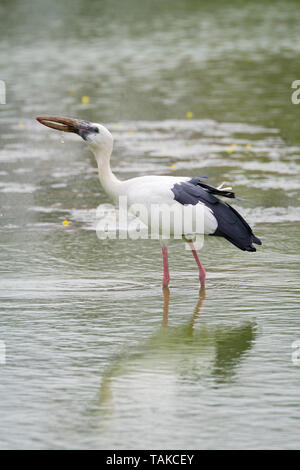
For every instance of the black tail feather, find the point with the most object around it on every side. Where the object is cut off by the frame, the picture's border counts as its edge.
(233, 227)
(256, 240)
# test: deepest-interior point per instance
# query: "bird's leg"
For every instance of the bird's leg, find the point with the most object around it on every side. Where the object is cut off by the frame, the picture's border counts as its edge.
(166, 277)
(202, 272)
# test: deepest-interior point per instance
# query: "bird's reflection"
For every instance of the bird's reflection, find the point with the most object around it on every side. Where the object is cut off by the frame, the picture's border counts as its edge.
(194, 351)
(166, 294)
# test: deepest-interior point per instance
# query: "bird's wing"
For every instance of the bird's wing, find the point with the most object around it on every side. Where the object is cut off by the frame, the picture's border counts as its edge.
(220, 191)
(230, 224)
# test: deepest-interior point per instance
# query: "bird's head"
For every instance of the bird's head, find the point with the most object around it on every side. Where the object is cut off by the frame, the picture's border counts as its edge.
(95, 135)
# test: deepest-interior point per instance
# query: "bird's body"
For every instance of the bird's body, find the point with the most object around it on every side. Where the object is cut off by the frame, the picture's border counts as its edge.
(161, 191)
(191, 199)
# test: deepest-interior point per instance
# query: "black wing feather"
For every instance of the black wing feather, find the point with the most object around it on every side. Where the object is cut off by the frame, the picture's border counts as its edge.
(212, 189)
(231, 224)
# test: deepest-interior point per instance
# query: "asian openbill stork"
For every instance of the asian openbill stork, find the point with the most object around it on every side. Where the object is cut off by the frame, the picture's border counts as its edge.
(219, 218)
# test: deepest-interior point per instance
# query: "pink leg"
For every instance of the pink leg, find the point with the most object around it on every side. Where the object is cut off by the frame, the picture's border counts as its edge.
(166, 277)
(202, 273)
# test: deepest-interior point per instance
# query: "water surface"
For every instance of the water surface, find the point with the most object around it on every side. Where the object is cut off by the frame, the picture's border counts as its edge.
(96, 355)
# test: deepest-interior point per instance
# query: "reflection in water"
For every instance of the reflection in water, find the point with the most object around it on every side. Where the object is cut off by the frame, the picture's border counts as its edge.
(166, 293)
(193, 352)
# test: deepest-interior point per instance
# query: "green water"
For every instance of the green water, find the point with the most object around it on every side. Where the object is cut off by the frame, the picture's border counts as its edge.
(96, 355)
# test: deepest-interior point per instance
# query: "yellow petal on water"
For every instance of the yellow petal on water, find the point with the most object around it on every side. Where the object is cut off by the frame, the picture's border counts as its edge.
(85, 99)
(249, 146)
(72, 91)
(229, 150)
(233, 145)
(20, 124)
(173, 166)
(189, 115)
(65, 222)
(118, 126)
(131, 131)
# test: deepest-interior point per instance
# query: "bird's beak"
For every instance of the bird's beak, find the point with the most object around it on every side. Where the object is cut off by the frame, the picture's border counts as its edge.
(62, 123)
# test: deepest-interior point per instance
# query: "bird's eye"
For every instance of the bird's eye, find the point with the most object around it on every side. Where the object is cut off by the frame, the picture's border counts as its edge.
(95, 129)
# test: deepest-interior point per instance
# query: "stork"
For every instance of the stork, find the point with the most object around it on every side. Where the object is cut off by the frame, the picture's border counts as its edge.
(219, 218)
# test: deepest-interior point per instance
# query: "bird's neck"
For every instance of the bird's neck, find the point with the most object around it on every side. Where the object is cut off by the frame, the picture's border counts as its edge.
(110, 183)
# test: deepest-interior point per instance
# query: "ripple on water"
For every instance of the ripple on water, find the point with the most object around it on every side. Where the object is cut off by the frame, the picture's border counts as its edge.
(14, 187)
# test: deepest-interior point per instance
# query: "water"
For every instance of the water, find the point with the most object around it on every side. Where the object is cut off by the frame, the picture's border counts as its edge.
(96, 355)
